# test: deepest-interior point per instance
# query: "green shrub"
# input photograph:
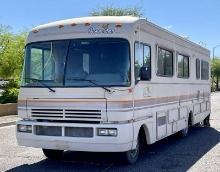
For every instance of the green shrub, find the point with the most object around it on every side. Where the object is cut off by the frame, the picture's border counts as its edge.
(12, 83)
(9, 96)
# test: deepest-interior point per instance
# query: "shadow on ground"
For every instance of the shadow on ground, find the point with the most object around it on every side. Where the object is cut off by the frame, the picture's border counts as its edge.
(170, 154)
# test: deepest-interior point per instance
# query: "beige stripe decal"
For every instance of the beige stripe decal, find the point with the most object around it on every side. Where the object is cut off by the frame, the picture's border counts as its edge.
(114, 104)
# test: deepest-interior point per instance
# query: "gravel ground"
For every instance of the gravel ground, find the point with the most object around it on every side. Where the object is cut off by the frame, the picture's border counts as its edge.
(200, 151)
(8, 120)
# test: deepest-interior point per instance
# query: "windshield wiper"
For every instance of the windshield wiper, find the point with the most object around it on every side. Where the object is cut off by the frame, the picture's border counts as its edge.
(91, 81)
(42, 83)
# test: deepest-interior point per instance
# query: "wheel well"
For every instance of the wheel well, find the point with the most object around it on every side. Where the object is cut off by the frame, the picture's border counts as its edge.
(144, 134)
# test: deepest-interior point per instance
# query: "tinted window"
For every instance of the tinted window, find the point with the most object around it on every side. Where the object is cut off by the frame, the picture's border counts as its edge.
(165, 62)
(36, 63)
(197, 69)
(204, 70)
(183, 66)
(45, 61)
(139, 53)
(104, 61)
(147, 56)
(142, 59)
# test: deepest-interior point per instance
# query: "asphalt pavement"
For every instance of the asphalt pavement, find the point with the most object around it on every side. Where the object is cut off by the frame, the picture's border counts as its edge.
(200, 151)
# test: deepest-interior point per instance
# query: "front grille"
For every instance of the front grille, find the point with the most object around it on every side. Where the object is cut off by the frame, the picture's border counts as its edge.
(66, 114)
(78, 132)
(68, 131)
(48, 130)
(90, 114)
(50, 113)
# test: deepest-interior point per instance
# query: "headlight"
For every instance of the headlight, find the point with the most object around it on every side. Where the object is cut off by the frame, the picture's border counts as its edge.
(25, 128)
(107, 132)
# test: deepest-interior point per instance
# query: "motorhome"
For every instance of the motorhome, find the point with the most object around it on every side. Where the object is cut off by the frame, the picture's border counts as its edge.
(109, 84)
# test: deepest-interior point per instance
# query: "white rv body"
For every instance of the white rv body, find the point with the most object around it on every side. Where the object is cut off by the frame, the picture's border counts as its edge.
(162, 105)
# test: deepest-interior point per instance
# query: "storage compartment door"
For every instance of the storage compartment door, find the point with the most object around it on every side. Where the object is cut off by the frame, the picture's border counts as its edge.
(161, 124)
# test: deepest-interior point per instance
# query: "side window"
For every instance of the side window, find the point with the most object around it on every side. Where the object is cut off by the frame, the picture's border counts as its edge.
(197, 69)
(165, 62)
(204, 70)
(36, 64)
(142, 59)
(183, 66)
(42, 64)
(147, 52)
(138, 60)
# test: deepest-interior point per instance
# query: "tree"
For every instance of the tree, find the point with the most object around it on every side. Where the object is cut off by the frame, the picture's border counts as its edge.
(215, 72)
(11, 60)
(117, 11)
(11, 53)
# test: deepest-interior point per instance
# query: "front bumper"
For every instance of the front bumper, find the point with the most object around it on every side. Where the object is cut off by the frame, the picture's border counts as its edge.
(121, 143)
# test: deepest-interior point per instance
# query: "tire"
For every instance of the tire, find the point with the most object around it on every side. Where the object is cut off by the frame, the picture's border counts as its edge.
(184, 132)
(206, 121)
(201, 124)
(131, 156)
(190, 120)
(53, 154)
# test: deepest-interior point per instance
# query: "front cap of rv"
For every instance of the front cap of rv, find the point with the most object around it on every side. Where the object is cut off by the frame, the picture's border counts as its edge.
(86, 27)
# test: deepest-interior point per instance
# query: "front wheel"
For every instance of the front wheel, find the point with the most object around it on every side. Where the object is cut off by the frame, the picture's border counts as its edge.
(53, 154)
(131, 156)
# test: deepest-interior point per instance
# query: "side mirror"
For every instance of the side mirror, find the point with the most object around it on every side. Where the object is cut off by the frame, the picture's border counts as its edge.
(145, 73)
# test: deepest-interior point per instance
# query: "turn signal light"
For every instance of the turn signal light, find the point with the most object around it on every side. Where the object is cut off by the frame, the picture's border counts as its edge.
(61, 26)
(35, 31)
(87, 24)
(73, 24)
(118, 25)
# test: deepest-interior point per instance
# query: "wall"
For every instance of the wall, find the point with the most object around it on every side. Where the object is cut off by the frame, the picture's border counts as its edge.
(8, 109)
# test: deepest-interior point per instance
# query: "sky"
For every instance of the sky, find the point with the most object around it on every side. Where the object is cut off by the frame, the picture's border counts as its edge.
(198, 20)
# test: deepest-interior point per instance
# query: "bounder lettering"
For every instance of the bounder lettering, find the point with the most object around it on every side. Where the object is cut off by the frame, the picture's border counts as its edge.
(93, 30)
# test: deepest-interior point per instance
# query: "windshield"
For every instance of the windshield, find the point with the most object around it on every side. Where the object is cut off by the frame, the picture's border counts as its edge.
(77, 62)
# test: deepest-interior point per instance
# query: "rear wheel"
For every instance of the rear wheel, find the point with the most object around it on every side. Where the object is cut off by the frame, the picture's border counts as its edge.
(184, 132)
(201, 124)
(190, 119)
(53, 154)
(206, 121)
